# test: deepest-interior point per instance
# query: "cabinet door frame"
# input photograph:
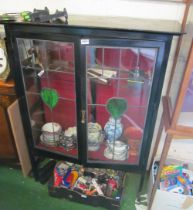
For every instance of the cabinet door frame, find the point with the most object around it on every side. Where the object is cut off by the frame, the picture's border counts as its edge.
(58, 33)
(17, 73)
(154, 98)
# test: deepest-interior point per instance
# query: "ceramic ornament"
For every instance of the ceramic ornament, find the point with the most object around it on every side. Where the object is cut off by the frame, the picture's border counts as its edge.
(51, 133)
(116, 151)
(113, 129)
(50, 97)
(94, 136)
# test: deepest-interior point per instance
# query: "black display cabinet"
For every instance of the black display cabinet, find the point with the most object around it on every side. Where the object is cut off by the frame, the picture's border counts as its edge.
(88, 95)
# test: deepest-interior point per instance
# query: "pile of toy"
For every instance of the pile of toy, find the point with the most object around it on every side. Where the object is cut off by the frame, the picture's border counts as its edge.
(177, 179)
(88, 181)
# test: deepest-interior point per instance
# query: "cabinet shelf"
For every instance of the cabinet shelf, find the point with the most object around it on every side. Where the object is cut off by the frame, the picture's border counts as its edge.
(57, 69)
(58, 150)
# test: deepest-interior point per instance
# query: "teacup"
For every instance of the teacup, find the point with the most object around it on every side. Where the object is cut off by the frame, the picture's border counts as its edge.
(51, 131)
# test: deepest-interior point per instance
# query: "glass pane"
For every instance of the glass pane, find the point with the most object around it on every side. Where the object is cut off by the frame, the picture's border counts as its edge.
(118, 88)
(186, 114)
(49, 80)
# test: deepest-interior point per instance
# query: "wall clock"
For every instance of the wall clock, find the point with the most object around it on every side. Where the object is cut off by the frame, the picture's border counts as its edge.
(4, 66)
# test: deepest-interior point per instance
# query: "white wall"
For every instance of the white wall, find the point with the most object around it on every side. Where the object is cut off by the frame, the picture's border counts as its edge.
(137, 9)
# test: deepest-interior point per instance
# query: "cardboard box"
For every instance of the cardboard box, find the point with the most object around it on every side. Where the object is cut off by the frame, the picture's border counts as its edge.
(164, 200)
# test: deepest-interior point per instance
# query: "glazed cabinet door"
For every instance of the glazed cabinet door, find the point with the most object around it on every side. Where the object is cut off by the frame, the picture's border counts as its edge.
(120, 76)
(48, 71)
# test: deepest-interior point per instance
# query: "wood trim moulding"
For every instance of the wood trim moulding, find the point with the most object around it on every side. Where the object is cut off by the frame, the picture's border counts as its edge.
(179, 43)
(183, 88)
(188, 1)
(185, 129)
(179, 133)
(167, 119)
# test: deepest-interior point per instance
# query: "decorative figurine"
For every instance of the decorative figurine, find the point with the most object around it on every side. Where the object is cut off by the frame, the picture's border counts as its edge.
(43, 15)
(95, 136)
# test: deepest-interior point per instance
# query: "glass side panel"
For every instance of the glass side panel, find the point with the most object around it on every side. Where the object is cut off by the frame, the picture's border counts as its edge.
(49, 80)
(119, 81)
(186, 115)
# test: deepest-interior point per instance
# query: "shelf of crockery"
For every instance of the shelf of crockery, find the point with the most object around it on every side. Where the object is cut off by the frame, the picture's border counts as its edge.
(96, 187)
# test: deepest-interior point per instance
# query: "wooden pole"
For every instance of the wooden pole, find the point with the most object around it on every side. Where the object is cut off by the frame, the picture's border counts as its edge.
(183, 27)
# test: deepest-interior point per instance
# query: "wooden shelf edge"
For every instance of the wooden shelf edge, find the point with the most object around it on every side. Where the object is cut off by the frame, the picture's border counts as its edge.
(167, 117)
(180, 133)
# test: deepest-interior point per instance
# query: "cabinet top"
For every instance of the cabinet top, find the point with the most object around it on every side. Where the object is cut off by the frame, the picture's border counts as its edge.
(114, 23)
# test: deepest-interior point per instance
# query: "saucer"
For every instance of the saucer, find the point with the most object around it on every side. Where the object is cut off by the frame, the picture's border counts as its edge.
(108, 153)
(48, 142)
(118, 146)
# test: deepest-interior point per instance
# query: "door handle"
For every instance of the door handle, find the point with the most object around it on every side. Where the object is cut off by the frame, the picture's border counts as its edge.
(83, 112)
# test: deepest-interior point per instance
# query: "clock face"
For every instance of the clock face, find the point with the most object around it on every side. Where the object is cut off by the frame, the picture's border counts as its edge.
(3, 61)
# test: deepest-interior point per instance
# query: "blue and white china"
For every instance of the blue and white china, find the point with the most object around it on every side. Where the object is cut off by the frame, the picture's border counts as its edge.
(113, 129)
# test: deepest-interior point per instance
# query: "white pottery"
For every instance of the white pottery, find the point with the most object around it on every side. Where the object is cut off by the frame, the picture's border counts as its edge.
(118, 146)
(94, 136)
(51, 132)
(70, 132)
(116, 151)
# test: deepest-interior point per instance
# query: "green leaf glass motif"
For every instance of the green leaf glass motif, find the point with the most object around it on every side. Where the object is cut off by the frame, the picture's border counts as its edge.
(116, 107)
(49, 97)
